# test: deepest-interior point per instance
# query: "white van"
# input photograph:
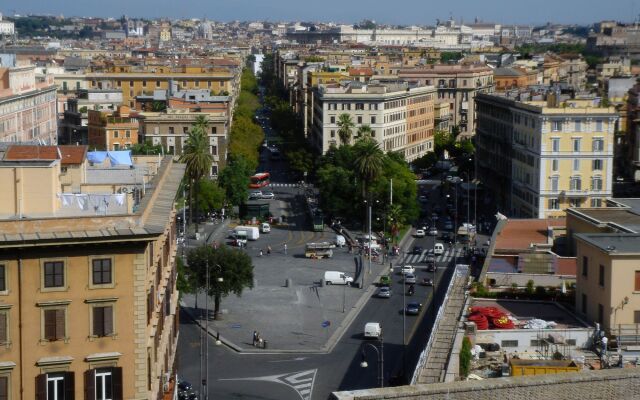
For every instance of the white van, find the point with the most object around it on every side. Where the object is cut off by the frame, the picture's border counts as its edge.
(337, 278)
(340, 241)
(265, 227)
(438, 249)
(372, 330)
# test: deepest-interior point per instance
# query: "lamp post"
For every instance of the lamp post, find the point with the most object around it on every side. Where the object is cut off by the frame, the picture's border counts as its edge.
(205, 380)
(380, 355)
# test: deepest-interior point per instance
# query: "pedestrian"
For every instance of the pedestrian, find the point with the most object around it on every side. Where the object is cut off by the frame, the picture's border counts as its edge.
(255, 338)
(285, 249)
(260, 253)
(268, 250)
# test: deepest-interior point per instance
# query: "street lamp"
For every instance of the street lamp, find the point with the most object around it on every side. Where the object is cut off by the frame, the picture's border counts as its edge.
(380, 354)
(206, 330)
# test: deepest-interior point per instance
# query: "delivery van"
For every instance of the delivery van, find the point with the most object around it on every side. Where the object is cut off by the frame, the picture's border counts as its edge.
(265, 227)
(253, 233)
(337, 278)
(372, 330)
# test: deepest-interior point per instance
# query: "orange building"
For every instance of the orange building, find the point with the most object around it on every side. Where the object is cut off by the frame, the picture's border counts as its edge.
(514, 78)
(112, 131)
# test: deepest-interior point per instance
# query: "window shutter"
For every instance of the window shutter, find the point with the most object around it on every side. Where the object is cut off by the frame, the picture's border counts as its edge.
(108, 320)
(69, 386)
(60, 331)
(3, 329)
(116, 379)
(50, 324)
(41, 387)
(637, 288)
(98, 321)
(90, 384)
(4, 388)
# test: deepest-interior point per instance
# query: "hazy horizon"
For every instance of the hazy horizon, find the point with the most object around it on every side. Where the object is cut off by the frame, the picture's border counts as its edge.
(406, 12)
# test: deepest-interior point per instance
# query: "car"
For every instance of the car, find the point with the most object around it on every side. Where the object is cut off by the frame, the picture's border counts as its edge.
(438, 249)
(412, 308)
(418, 249)
(423, 199)
(385, 280)
(434, 216)
(420, 233)
(383, 293)
(409, 279)
(433, 231)
(407, 269)
(431, 267)
(427, 282)
(267, 196)
(447, 226)
(254, 195)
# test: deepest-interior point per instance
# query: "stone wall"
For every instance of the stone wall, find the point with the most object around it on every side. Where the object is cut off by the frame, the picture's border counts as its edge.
(605, 384)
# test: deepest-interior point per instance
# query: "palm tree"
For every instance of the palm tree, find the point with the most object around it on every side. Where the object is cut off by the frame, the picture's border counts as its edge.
(365, 131)
(345, 130)
(198, 159)
(395, 219)
(368, 161)
(202, 122)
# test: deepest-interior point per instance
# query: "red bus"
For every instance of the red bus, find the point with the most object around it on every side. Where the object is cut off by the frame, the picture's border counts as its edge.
(259, 180)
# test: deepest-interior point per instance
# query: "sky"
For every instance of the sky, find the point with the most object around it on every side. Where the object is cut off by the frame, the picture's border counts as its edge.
(401, 12)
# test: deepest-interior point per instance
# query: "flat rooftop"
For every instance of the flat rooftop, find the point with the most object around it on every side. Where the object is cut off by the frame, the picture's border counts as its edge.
(524, 310)
(613, 243)
(521, 234)
(618, 218)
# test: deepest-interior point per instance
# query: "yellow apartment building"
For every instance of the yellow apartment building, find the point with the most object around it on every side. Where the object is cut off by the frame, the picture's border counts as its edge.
(112, 130)
(542, 157)
(143, 80)
(88, 299)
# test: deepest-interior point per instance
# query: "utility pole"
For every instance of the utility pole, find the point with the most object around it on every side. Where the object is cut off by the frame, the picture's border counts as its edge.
(206, 324)
(369, 237)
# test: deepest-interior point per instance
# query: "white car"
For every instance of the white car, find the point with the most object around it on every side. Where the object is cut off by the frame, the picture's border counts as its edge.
(433, 232)
(420, 233)
(407, 269)
(267, 196)
(256, 194)
(438, 249)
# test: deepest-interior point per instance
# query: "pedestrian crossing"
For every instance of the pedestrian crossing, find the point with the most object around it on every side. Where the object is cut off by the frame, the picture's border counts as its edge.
(448, 255)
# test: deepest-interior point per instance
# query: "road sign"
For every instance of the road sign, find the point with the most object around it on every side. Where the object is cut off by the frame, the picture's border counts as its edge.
(326, 324)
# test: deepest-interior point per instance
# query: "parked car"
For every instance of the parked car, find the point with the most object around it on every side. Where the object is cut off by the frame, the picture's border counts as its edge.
(413, 308)
(407, 269)
(409, 279)
(384, 293)
(267, 196)
(418, 249)
(420, 233)
(255, 195)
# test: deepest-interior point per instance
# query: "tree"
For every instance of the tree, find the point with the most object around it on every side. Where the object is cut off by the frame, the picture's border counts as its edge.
(368, 161)
(365, 131)
(465, 357)
(158, 106)
(230, 271)
(198, 159)
(210, 196)
(234, 179)
(146, 148)
(345, 128)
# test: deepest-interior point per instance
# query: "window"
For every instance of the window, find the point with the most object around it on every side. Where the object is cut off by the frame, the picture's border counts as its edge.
(556, 126)
(104, 383)
(54, 324)
(578, 125)
(596, 165)
(3, 278)
(54, 274)
(555, 165)
(596, 202)
(584, 303)
(554, 204)
(214, 170)
(171, 130)
(637, 282)
(575, 202)
(127, 134)
(373, 119)
(601, 275)
(554, 183)
(636, 317)
(509, 343)
(600, 313)
(214, 150)
(157, 83)
(333, 120)
(576, 145)
(144, 83)
(555, 145)
(116, 134)
(55, 386)
(116, 146)
(576, 164)
(101, 271)
(596, 183)
(571, 342)
(102, 320)
(4, 387)
(185, 129)
(333, 133)
(4, 328)
(214, 130)
(585, 266)
(576, 183)
(598, 144)
(598, 125)
(359, 119)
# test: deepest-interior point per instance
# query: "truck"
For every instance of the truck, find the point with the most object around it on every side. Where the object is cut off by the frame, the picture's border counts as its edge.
(337, 278)
(319, 250)
(466, 233)
(252, 232)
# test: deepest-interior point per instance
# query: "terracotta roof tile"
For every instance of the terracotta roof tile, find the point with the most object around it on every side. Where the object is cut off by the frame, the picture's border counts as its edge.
(519, 234)
(70, 154)
(566, 266)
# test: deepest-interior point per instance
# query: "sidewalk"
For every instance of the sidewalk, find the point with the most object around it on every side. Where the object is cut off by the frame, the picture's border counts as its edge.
(291, 318)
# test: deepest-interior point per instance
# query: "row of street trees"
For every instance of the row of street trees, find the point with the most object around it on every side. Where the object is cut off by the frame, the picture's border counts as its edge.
(461, 151)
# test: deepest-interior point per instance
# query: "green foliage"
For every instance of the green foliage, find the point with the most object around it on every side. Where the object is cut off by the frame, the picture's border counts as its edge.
(245, 139)
(248, 81)
(345, 128)
(146, 148)
(230, 271)
(427, 161)
(234, 179)
(210, 195)
(366, 24)
(184, 281)
(313, 59)
(158, 106)
(541, 292)
(442, 140)
(465, 357)
(368, 161)
(196, 154)
(481, 291)
(83, 109)
(364, 131)
(560, 48)
(447, 56)
(529, 289)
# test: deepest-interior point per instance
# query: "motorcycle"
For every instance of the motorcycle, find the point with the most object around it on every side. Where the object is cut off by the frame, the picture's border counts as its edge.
(411, 290)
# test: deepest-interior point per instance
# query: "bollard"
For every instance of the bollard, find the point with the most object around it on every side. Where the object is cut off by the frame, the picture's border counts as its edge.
(264, 344)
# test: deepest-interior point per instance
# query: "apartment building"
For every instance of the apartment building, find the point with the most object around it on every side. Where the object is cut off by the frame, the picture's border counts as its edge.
(632, 150)
(73, 128)
(541, 157)
(143, 80)
(88, 299)
(112, 130)
(506, 78)
(457, 85)
(27, 105)
(400, 115)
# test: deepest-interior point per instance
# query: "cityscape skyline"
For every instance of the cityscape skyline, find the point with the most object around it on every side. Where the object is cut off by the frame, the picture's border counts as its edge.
(418, 13)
